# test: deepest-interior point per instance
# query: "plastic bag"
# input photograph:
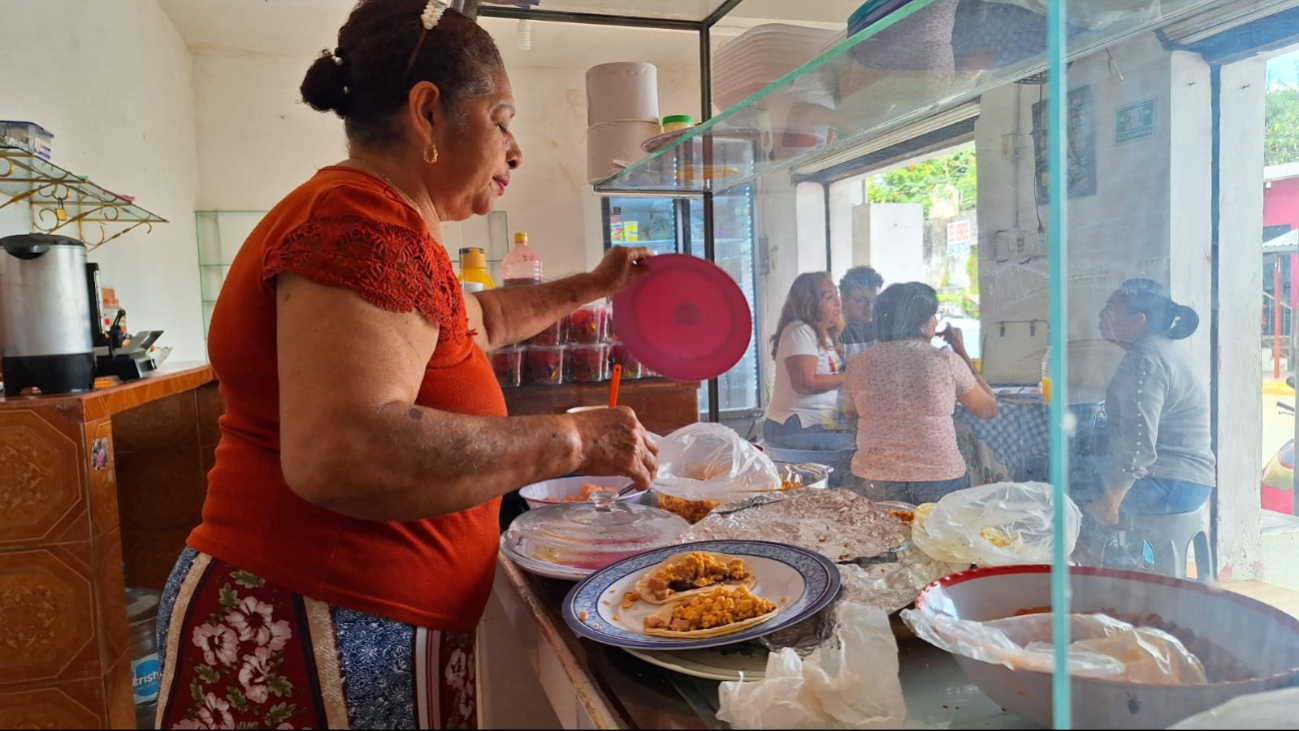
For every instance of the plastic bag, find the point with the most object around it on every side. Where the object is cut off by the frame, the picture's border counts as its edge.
(852, 683)
(1274, 709)
(1100, 646)
(1005, 524)
(712, 462)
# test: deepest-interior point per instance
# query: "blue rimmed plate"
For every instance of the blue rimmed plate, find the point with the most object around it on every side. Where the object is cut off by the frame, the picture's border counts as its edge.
(800, 582)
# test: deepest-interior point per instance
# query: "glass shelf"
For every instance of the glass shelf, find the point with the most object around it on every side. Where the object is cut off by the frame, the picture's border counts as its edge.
(870, 84)
(60, 198)
(685, 10)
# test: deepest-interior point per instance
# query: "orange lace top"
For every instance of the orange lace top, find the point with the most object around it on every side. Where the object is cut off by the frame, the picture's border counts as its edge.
(344, 228)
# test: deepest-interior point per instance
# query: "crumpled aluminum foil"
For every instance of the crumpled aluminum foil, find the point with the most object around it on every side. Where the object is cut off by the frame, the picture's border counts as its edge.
(842, 526)
(838, 524)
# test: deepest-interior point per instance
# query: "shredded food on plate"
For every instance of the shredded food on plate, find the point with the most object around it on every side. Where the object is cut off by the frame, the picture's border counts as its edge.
(717, 608)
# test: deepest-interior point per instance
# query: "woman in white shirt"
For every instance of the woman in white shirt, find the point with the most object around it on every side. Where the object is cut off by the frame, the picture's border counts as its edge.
(804, 412)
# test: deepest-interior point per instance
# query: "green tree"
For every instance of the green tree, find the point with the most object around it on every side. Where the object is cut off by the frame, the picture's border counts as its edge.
(1281, 143)
(951, 177)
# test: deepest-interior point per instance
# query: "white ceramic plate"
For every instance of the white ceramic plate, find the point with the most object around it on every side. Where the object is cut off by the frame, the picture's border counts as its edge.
(747, 663)
(800, 582)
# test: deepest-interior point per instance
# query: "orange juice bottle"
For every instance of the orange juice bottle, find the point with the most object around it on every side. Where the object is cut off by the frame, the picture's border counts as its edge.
(1046, 377)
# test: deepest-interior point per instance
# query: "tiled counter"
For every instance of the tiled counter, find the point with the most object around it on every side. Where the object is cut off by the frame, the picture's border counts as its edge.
(88, 483)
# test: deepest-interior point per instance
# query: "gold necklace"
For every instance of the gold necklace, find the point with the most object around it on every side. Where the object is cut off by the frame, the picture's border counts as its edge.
(388, 180)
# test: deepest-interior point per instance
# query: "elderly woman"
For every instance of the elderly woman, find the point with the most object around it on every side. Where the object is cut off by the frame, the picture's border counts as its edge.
(1160, 449)
(804, 409)
(350, 531)
(903, 392)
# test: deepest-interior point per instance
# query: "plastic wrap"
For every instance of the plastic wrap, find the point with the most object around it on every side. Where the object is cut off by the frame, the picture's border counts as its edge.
(1100, 646)
(711, 462)
(1005, 524)
(851, 683)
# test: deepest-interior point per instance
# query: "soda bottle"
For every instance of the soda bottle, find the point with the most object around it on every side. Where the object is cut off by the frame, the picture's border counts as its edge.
(521, 265)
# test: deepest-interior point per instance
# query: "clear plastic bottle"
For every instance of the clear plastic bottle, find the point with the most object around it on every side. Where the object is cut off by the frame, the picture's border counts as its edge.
(142, 617)
(473, 267)
(521, 265)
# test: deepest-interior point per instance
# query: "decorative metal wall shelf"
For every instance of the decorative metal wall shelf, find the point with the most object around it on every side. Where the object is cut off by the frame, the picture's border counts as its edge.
(60, 199)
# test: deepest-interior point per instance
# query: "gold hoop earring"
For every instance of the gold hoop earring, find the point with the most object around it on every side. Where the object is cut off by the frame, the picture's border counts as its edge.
(431, 154)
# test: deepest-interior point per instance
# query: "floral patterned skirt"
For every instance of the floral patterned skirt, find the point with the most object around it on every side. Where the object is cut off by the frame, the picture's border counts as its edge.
(238, 652)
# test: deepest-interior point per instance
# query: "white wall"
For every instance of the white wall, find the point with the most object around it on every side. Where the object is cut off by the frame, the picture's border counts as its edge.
(256, 141)
(891, 238)
(1150, 216)
(112, 81)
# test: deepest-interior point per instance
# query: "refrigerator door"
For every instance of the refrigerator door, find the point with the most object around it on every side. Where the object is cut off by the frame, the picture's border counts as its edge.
(648, 222)
(734, 251)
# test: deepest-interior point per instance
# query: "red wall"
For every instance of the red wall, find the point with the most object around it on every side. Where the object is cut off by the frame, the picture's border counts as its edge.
(1281, 203)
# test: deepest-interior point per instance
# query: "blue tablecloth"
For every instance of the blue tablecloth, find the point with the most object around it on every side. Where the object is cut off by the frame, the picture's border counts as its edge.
(1015, 446)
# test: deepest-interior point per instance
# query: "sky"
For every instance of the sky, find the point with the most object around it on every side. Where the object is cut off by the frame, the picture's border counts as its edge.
(1284, 69)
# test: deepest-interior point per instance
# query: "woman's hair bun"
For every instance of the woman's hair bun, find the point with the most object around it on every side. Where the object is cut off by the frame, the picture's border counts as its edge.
(324, 87)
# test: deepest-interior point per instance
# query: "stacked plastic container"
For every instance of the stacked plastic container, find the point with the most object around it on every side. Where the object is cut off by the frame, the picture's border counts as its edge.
(762, 55)
(581, 348)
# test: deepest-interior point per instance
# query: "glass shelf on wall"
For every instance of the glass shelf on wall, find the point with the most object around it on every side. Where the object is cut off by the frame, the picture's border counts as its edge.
(693, 11)
(65, 203)
(903, 69)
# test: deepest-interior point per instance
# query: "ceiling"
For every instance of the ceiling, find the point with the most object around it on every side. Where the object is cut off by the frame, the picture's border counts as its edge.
(304, 27)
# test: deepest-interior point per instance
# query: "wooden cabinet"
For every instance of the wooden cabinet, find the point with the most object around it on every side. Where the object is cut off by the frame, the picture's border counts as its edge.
(663, 406)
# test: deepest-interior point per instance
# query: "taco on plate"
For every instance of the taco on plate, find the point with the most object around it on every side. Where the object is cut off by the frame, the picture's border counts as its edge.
(718, 611)
(686, 574)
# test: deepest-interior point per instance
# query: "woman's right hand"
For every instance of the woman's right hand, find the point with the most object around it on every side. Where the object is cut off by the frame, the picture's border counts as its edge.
(956, 339)
(614, 443)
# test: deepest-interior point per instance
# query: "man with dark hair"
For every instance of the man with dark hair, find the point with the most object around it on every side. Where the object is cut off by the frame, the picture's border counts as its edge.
(859, 288)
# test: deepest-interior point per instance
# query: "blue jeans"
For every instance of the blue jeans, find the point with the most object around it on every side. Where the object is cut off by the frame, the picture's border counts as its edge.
(1152, 496)
(915, 493)
(793, 435)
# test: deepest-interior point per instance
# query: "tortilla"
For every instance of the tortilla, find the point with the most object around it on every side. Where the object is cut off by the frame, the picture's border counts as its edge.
(666, 615)
(674, 595)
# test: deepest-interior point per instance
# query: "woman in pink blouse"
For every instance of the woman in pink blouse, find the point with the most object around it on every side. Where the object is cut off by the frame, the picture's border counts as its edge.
(903, 392)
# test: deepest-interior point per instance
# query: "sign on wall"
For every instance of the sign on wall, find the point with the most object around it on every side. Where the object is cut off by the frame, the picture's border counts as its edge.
(1136, 122)
(960, 237)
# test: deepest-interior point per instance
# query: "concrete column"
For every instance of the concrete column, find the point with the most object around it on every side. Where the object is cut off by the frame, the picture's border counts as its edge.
(1240, 225)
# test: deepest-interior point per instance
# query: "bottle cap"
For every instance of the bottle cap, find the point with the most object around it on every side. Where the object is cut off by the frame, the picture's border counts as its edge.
(685, 119)
(473, 286)
(520, 238)
(473, 258)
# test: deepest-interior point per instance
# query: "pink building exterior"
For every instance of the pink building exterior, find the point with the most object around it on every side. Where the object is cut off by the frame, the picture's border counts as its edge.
(1281, 200)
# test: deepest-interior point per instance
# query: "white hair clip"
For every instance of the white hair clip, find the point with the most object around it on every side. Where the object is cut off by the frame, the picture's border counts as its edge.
(432, 14)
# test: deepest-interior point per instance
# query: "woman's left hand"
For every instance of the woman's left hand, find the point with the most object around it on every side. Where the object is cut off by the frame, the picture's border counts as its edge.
(1106, 509)
(619, 268)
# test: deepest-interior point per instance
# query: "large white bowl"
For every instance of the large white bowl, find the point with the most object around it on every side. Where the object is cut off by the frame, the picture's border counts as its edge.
(1264, 638)
(553, 492)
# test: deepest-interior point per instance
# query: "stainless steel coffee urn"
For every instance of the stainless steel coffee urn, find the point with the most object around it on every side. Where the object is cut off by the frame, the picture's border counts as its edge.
(45, 315)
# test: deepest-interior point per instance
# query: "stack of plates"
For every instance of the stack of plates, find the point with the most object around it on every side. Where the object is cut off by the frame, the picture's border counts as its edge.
(760, 56)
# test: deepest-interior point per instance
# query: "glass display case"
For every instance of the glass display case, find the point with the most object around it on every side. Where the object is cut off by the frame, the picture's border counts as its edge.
(670, 226)
(1129, 163)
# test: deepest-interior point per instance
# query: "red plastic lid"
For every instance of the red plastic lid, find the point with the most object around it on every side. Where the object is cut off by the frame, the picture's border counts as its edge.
(686, 320)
